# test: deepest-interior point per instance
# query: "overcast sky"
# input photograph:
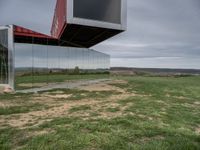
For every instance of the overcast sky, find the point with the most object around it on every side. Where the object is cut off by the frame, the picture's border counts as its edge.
(161, 33)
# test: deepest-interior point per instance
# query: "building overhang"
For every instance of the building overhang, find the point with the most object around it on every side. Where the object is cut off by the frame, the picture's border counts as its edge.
(85, 23)
(79, 25)
(24, 35)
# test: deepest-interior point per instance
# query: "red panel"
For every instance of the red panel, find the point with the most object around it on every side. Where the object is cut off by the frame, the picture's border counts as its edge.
(59, 21)
(20, 31)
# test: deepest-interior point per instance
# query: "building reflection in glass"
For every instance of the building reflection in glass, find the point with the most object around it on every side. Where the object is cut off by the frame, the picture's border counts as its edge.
(4, 56)
(39, 65)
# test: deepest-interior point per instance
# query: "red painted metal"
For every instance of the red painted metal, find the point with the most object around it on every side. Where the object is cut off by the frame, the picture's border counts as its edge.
(59, 20)
(20, 31)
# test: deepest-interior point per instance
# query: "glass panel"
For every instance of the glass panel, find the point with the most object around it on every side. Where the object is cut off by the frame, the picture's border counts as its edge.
(4, 56)
(23, 66)
(101, 10)
(40, 66)
(63, 60)
(85, 60)
(54, 64)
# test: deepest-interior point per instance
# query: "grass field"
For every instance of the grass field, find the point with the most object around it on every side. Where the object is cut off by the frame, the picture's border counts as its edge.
(125, 113)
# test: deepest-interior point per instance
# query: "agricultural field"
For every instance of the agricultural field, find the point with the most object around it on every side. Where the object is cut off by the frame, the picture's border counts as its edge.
(124, 113)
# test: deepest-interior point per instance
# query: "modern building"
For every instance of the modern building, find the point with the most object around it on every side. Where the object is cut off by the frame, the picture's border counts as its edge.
(28, 56)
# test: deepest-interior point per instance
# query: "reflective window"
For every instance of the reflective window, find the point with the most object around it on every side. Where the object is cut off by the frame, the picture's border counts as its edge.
(40, 65)
(4, 56)
(23, 66)
(100, 10)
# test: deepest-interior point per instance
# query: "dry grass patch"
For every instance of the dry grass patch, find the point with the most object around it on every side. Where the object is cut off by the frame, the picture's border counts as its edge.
(4, 104)
(119, 81)
(106, 108)
(1, 89)
(197, 130)
(29, 85)
(197, 103)
(35, 118)
(180, 97)
(59, 96)
(104, 86)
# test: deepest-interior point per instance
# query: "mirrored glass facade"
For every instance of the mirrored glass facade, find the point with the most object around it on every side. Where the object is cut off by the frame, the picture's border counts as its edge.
(99, 10)
(4, 56)
(40, 65)
(28, 62)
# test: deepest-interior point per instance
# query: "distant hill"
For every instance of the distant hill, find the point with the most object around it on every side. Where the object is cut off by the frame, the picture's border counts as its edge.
(153, 71)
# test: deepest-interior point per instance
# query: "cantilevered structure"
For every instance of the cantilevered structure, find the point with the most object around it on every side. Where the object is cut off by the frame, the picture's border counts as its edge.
(85, 23)
(26, 55)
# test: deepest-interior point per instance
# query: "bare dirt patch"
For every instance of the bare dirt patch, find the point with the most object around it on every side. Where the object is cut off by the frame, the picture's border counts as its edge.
(180, 97)
(100, 87)
(59, 96)
(5, 104)
(197, 130)
(119, 81)
(62, 108)
(1, 89)
(167, 95)
(29, 85)
(197, 103)
(35, 118)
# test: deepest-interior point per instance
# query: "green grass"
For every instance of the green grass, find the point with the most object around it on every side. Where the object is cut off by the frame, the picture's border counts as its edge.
(21, 109)
(20, 103)
(113, 109)
(80, 108)
(164, 115)
(13, 97)
(82, 94)
(119, 133)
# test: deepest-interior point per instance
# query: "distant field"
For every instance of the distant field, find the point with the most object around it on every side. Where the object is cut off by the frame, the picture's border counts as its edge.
(154, 71)
(129, 112)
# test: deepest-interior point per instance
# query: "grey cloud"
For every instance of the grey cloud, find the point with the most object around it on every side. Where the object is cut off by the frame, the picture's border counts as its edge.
(164, 32)
(33, 14)
(158, 29)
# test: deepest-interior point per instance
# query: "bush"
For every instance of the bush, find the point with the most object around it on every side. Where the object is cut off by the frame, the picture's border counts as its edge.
(76, 70)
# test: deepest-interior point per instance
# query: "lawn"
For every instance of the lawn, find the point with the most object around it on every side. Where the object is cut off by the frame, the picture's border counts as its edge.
(128, 112)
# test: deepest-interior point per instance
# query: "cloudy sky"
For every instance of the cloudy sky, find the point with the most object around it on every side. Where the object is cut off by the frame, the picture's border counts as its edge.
(160, 34)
